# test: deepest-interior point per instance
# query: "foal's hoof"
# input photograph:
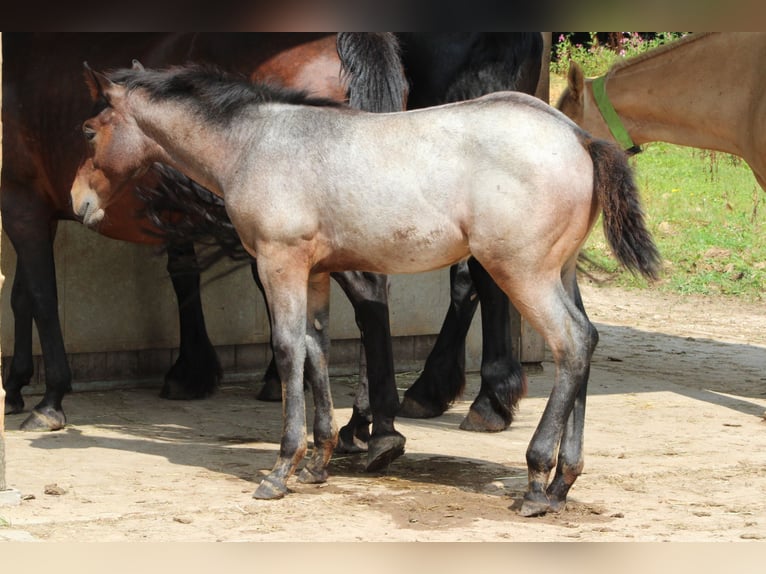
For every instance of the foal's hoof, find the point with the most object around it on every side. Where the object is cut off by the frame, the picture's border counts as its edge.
(487, 422)
(45, 419)
(271, 391)
(383, 450)
(412, 409)
(308, 476)
(270, 490)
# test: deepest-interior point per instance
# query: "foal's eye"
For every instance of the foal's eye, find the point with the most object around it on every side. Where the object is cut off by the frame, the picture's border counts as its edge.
(89, 132)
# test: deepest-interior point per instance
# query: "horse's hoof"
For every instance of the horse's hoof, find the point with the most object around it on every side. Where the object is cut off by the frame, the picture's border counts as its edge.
(489, 422)
(534, 506)
(46, 419)
(176, 390)
(271, 391)
(349, 443)
(383, 450)
(14, 406)
(411, 409)
(269, 489)
(308, 476)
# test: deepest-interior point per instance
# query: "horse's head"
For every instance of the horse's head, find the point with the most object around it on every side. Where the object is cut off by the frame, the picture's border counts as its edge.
(118, 151)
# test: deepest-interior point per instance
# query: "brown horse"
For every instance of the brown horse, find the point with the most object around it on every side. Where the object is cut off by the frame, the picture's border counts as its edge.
(705, 90)
(504, 178)
(41, 109)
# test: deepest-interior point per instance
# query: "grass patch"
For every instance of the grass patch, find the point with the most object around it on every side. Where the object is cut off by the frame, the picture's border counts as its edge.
(707, 214)
(705, 209)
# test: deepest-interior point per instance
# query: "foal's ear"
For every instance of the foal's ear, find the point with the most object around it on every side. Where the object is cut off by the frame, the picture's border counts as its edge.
(98, 84)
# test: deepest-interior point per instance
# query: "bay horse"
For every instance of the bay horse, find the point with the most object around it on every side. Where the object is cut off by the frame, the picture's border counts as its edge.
(42, 150)
(713, 102)
(308, 186)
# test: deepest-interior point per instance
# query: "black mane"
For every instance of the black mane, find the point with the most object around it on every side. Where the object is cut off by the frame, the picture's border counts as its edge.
(216, 94)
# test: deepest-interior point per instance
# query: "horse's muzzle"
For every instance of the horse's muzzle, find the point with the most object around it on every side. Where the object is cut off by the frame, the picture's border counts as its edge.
(86, 204)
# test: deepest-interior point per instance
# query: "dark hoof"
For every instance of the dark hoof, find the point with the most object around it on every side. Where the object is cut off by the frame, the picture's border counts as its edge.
(534, 506)
(383, 450)
(270, 489)
(490, 422)
(45, 419)
(350, 443)
(14, 405)
(308, 476)
(271, 391)
(411, 409)
(176, 390)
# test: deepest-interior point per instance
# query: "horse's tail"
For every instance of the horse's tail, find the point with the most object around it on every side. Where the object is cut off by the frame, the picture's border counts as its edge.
(623, 217)
(372, 66)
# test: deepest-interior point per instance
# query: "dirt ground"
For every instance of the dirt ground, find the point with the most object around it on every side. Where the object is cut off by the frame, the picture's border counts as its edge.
(675, 450)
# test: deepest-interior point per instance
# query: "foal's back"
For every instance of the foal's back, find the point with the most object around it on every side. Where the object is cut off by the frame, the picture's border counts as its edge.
(418, 182)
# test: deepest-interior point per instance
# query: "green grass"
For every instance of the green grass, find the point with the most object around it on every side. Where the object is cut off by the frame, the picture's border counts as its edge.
(708, 218)
(705, 209)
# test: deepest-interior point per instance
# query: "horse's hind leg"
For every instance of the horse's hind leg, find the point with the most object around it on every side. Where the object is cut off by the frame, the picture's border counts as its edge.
(368, 293)
(554, 311)
(317, 349)
(503, 382)
(197, 371)
(570, 459)
(443, 376)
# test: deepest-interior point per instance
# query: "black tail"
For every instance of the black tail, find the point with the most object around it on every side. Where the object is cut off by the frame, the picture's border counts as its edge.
(183, 211)
(623, 216)
(373, 69)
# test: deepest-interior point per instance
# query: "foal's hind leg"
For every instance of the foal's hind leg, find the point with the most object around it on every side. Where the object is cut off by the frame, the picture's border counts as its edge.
(554, 312)
(570, 459)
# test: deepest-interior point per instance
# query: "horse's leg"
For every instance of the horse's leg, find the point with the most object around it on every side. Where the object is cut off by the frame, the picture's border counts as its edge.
(317, 349)
(368, 293)
(34, 297)
(552, 310)
(443, 376)
(285, 287)
(570, 459)
(503, 382)
(21, 369)
(197, 371)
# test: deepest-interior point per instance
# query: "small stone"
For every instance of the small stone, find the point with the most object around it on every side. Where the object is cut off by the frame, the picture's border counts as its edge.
(183, 519)
(54, 489)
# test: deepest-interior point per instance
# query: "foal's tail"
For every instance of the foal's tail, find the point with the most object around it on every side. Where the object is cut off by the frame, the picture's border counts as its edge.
(623, 216)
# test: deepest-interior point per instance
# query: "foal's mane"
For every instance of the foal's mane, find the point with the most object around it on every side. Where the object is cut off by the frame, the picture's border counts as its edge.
(658, 51)
(217, 94)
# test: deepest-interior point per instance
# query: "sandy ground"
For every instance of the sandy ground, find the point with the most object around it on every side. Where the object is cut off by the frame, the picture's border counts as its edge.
(675, 451)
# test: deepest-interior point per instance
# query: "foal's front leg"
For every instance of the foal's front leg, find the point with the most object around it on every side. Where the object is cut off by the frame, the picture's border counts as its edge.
(285, 286)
